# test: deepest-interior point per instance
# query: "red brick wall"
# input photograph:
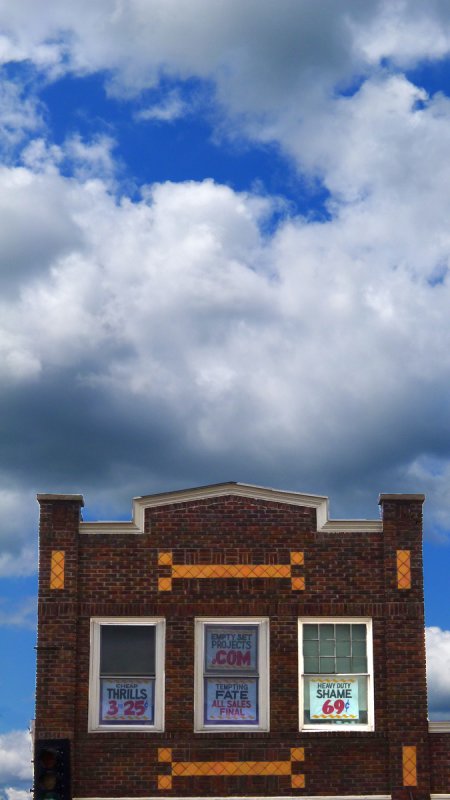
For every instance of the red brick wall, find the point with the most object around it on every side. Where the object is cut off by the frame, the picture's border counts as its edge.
(440, 762)
(347, 574)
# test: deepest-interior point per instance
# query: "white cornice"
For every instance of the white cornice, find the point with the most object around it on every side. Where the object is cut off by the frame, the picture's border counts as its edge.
(439, 727)
(318, 502)
(109, 527)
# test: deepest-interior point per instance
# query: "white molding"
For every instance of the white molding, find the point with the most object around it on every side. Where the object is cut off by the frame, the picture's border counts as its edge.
(263, 669)
(109, 527)
(439, 727)
(353, 525)
(311, 728)
(159, 624)
(319, 502)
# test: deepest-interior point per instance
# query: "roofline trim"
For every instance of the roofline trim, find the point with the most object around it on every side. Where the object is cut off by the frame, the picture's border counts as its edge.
(318, 502)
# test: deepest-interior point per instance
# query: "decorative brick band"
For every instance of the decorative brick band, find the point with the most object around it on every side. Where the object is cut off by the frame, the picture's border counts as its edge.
(403, 569)
(186, 571)
(57, 570)
(230, 768)
(409, 766)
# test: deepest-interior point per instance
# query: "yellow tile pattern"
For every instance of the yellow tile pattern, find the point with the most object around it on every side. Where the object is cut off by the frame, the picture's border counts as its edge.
(404, 569)
(230, 768)
(57, 570)
(164, 559)
(231, 571)
(409, 766)
(186, 571)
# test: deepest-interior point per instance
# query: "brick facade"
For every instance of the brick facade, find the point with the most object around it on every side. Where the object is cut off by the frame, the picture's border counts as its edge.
(225, 552)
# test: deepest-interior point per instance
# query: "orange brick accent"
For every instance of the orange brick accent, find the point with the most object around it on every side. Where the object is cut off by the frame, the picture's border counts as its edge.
(164, 782)
(404, 569)
(165, 754)
(57, 570)
(409, 766)
(230, 768)
(231, 571)
(217, 571)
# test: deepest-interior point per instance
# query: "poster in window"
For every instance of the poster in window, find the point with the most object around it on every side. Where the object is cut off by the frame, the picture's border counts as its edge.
(231, 648)
(334, 698)
(231, 702)
(127, 701)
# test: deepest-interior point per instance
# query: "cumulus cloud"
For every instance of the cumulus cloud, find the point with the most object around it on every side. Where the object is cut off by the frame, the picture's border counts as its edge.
(438, 672)
(176, 326)
(16, 794)
(260, 56)
(152, 341)
(171, 108)
(15, 758)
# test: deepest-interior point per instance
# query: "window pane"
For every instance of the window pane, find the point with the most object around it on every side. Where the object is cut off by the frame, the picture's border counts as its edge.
(343, 648)
(326, 631)
(338, 701)
(231, 648)
(310, 631)
(311, 664)
(358, 649)
(327, 647)
(310, 648)
(127, 702)
(127, 650)
(343, 633)
(359, 665)
(359, 632)
(327, 665)
(343, 665)
(231, 702)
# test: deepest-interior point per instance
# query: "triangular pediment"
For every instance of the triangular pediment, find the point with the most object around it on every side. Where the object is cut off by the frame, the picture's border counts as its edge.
(231, 488)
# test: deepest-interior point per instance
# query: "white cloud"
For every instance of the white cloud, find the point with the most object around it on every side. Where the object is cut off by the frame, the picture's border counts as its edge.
(171, 108)
(16, 794)
(15, 757)
(20, 114)
(178, 312)
(438, 673)
(260, 55)
(153, 337)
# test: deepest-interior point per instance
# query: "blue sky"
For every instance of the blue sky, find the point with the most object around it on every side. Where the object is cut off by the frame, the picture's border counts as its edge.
(224, 252)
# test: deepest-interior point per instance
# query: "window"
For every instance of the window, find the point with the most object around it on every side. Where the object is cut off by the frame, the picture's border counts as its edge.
(336, 674)
(232, 674)
(126, 687)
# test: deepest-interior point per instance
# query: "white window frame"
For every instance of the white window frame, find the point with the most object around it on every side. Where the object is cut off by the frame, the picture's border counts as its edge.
(370, 725)
(94, 674)
(263, 669)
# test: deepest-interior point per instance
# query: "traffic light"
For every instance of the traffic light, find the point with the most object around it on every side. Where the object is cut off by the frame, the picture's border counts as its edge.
(52, 769)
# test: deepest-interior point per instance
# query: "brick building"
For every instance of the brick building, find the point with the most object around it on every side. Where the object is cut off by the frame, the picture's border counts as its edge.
(233, 641)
